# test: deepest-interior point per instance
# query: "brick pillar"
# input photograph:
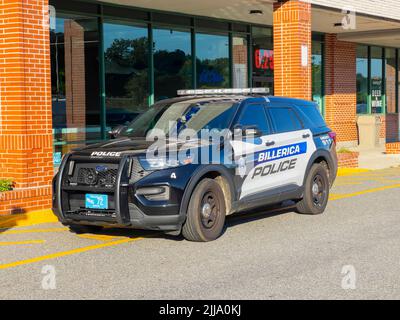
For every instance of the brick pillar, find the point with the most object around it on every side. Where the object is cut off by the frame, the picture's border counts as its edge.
(25, 105)
(341, 88)
(292, 32)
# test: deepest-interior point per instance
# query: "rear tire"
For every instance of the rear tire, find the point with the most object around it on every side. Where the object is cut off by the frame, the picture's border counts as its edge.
(80, 229)
(206, 212)
(316, 191)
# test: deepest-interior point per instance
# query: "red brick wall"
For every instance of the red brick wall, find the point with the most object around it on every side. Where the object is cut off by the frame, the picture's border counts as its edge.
(348, 160)
(341, 88)
(25, 105)
(292, 30)
(390, 127)
(393, 148)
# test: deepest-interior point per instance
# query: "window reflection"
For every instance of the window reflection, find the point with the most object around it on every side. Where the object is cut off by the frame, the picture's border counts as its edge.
(317, 73)
(376, 80)
(126, 72)
(362, 79)
(172, 62)
(212, 61)
(75, 82)
(390, 80)
(240, 62)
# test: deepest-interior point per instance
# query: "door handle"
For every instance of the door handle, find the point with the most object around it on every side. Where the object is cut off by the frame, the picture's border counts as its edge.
(305, 136)
(269, 143)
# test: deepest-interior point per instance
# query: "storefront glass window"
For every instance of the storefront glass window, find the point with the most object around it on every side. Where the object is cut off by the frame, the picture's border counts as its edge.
(362, 79)
(212, 61)
(263, 58)
(126, 72)
(398, 80)
(376, 80)
(317, 73)
(240, 62)
(172, 62)
(75, 83)
(390, 65)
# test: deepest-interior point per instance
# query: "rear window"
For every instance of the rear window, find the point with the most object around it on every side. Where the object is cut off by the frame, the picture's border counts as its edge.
(284, 119)
(313, 115)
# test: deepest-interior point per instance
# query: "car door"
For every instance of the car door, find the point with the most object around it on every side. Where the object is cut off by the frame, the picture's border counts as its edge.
(252, 116)
(285, 164)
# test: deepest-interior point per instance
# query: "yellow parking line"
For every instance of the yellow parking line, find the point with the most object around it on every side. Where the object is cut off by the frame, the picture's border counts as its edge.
(66, 253)
(100, 237)
(33, 231)
(12, 243)
(334, 197)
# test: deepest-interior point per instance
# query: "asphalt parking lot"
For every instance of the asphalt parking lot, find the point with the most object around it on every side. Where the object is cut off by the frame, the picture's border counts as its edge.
(351, 251)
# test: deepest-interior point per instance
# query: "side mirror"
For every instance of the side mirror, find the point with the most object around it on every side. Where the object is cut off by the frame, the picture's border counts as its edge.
(115, 132)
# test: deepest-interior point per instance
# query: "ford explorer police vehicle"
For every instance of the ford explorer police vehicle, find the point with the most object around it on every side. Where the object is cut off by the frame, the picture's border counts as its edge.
(285, 151)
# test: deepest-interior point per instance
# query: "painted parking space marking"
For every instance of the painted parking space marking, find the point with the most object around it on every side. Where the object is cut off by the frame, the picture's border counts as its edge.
(334, 197)
(34, 231)
(67, 253)
(16, 243)
(100, 237)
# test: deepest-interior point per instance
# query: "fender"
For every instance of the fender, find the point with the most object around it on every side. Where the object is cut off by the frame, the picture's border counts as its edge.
(195, 179)
(327, 157)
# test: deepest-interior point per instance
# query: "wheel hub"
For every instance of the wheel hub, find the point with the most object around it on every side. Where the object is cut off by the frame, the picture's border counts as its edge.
(206, 210)
(315, 189)
(209, 210)
(318, 190)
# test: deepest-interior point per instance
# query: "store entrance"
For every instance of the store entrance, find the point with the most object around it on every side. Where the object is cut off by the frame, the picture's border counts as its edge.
(263, 59)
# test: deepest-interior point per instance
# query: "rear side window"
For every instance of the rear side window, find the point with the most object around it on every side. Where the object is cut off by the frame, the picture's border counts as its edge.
(285, 120)
(313, 115)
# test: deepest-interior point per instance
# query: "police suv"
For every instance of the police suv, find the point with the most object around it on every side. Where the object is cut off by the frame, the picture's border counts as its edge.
(269, 150)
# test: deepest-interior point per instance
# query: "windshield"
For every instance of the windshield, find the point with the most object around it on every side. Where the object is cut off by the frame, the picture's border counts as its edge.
(173, 118)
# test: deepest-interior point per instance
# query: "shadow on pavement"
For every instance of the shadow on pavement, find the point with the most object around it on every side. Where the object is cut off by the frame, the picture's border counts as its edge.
(233, 220)
(10, 221)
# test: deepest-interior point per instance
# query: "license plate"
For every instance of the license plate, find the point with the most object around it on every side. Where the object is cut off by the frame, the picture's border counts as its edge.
(96, 201)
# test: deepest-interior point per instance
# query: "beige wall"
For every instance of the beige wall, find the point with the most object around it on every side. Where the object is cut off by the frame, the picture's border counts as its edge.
(381, 8)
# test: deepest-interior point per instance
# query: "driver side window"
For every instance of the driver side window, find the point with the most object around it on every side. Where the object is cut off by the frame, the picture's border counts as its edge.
(254, 115)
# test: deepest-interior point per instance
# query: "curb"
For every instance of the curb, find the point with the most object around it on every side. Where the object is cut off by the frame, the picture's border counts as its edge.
(27, 219)
(343, 172)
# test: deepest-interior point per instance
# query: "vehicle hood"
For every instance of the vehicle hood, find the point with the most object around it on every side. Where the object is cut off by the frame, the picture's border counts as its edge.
(115, 148)
(128, 146)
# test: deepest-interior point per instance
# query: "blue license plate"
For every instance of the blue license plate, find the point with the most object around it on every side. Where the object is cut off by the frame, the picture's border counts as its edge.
(96, 201)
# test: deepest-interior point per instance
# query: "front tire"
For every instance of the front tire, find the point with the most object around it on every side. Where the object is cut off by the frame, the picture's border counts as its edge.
(316, 191)
(206, 212)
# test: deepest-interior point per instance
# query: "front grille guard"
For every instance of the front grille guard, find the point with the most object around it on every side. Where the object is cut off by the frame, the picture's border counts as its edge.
(120, 194)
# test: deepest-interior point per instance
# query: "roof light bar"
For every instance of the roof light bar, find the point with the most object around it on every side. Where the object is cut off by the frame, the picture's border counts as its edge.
(199, 92)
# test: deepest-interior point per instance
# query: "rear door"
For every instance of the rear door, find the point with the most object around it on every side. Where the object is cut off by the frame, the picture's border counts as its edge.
(293, 147)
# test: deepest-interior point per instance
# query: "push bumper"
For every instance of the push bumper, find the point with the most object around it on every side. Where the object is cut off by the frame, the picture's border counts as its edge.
(127, 211)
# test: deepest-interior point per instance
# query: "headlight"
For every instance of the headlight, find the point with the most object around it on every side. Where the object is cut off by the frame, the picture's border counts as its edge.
(150, 164)
(157, 163)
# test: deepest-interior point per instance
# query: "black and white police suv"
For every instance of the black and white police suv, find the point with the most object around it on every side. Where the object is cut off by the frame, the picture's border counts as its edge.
(268, 150)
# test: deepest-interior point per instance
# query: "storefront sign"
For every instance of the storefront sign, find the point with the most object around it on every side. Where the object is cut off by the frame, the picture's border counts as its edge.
(264, 59)
(376, 93)
(304, 56)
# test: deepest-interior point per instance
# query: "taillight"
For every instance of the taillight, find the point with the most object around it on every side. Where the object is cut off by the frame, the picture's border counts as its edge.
(332, 135)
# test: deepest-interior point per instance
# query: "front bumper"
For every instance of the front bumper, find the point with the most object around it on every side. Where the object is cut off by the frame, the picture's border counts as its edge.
(126, 208)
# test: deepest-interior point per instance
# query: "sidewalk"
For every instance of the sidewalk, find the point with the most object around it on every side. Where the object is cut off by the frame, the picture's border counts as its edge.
(375, 159)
